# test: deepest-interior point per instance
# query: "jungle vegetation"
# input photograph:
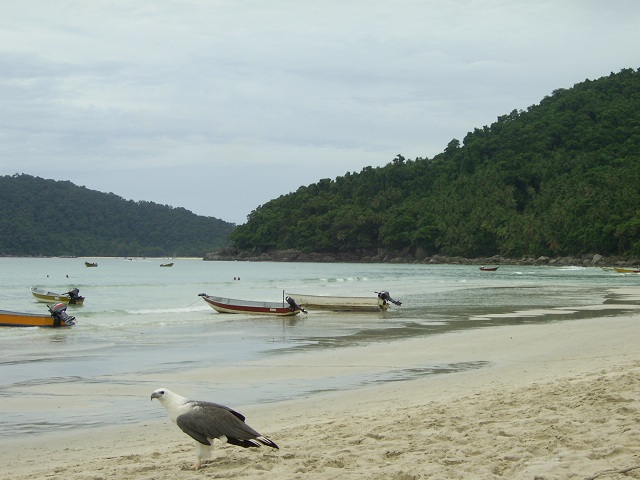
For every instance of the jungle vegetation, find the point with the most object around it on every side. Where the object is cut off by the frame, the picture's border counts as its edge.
(40, 217)
(561, 178)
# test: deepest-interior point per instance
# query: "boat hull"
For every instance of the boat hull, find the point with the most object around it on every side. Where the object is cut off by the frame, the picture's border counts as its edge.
(230, 305)
(16, 319)
(340, 304)
(52, 297)
(626, 270)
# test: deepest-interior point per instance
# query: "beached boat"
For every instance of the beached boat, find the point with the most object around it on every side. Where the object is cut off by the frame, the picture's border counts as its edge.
(166, 264)
(90, 264)
(72, 297)
(379, 302)
(489, 269)
(230, 305)
(57, 318)
(626, 270)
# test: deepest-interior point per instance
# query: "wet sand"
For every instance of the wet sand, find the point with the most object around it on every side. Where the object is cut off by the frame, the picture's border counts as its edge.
(552, 401)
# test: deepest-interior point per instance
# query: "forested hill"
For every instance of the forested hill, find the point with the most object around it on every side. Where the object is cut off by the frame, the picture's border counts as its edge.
(561, 178)
(52, 218)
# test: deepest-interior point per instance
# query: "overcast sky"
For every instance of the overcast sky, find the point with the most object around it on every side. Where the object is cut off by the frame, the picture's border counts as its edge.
(219, 106)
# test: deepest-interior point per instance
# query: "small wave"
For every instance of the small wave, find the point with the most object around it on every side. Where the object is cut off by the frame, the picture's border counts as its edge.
(344, 279)
(158, 311)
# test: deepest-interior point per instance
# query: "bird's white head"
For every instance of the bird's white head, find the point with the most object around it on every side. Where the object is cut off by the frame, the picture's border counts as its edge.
(162, 394)
(172, 402)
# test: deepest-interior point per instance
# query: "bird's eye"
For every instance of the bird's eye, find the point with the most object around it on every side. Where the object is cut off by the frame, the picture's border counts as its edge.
(161, 392)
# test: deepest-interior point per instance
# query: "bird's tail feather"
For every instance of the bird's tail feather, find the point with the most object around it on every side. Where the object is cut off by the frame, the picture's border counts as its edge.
(268, 442)
(254, 442)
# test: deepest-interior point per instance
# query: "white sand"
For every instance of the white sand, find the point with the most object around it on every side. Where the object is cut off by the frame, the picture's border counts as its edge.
(559, 401)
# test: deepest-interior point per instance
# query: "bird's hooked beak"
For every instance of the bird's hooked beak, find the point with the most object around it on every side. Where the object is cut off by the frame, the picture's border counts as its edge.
(155, 395)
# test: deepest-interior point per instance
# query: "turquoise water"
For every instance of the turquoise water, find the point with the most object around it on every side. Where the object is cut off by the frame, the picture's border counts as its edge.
(141, 322)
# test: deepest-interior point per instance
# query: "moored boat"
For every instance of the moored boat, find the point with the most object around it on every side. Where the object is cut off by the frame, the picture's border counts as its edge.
(489, 269)
(287, 307)
(379, 302)
(72, 297)
(90, 264)
(57, 318)
(626, 270)
(166, 264)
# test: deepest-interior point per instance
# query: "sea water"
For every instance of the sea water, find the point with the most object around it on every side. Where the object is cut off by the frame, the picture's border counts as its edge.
(141, 322)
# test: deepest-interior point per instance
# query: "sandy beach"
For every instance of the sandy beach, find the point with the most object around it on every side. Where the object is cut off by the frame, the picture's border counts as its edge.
(555, 401)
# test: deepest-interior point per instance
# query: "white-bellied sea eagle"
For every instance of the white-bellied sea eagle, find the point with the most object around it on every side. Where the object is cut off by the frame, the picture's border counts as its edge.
(206, 421)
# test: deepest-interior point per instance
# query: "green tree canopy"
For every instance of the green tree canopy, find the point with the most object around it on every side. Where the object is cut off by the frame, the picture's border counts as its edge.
(47, 217)
(561, 178)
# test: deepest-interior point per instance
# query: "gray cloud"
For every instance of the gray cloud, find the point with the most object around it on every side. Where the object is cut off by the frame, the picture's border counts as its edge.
(218, 106)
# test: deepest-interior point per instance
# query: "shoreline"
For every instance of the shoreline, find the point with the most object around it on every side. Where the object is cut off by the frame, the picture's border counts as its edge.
(560, 400)
(418, 257)
(381, 256)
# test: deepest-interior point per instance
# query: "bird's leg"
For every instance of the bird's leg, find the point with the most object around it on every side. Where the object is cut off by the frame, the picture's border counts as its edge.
(202, 452)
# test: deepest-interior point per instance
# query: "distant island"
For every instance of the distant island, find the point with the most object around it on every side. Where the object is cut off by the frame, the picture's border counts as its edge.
(40, 217)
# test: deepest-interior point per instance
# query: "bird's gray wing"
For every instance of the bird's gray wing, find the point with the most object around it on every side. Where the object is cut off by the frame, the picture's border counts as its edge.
(211, 404)
(210, 420)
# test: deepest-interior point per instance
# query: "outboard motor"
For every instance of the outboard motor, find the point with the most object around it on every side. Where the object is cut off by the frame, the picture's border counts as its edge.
(294, 306)
(74, 296)
(59, 314)
(384, 296)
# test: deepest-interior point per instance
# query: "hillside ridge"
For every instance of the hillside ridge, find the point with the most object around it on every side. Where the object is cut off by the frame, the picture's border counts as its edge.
(41, 217)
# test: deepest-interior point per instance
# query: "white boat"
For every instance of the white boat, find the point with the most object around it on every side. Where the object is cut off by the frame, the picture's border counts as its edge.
(378, 302)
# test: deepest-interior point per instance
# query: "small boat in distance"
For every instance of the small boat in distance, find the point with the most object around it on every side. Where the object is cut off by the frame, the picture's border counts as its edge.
(380, 302)
(626, 270)
(72, 297)
(287, 307)
(57, 318)
(166, 264)
(489, 269)
(90, 264)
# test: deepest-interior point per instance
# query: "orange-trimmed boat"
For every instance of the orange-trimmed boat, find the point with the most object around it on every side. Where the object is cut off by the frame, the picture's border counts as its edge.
(57, 318)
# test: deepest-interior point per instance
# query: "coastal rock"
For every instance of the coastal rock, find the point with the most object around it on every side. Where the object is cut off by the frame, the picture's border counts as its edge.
(419, 256)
